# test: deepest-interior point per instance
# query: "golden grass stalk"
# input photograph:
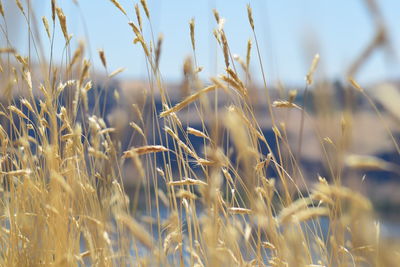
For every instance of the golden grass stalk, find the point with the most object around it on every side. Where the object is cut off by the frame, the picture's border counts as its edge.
(310, 74)
(20, 7)
(116, 72)
(28, 79)
(63, 23)
(97, 153)
(216, 15)
(135, 29)
(355, 84)
(287, 212)
(284, 104)
(205, 162)
(17, 111)
(46, 26)
(367, 162)
(1, 9)
(248, 54)
(138, 16)
(103, 58)
(145, 8)
(22, 60)
(331, 192)
(7, 50)
(53, 10)
(144, 150)
(237, 210)
(158, 50)
(187, 181)
(191, 27)
(84, 73)
(187, 101)
(308, 214)
(27, 104)
(250, 16)
(119, 6)
(225, 48)
(232, 82)
(137, 128)
(180, 143)
(136, 229)
(23, 172)
(197, 133)
(182, 193)
(77, 55)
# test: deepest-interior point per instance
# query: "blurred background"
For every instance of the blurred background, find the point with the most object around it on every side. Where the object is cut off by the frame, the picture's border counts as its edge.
(289, 33)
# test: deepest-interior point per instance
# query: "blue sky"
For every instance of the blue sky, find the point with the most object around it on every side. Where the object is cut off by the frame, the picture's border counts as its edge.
(290, 32)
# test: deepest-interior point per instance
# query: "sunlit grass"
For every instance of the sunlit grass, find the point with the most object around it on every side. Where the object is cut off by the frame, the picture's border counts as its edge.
(237, 199)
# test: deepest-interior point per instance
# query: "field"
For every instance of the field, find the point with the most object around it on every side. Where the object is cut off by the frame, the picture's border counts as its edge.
(99, 170)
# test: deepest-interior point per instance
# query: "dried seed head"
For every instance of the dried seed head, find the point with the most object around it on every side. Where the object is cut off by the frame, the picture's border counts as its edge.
(191, 26)
(7, 50)
(1, 9)
(84, 73)
(355, 84)
(250, 16)
(116, 72)
(186, 194)
(53, 10)
(22, 60)
(225, 48)
(367, 163)
(23, 172)
(216, 15)
(136, 229)
(284, 104)
(187, 101)
(313, 67)
(118, 5)
(77, 55)
(144, 150)
(137, 128)
(235, 84)
(63, 23)
(187, 181)
(248, 54)
(17, 111)
(28, 79)
(27, 104)
(103, 58)
(197, 133)
(20, 7)
(236, 210)
(46, 26)
(145, 8)
(292, 95)
(138, 16)
(217, 36)
(158, 50)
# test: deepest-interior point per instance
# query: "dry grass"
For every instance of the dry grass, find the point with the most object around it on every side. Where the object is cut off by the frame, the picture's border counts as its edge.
(63, 201)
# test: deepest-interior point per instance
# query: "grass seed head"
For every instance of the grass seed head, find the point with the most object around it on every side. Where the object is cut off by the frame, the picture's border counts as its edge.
(118, 5)
(314, 64)
(191, 26)
(103, 58)
(250, 16)
(145, 8)
(63, 23)
(1, 9)
(46, 26)
(216, 15)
